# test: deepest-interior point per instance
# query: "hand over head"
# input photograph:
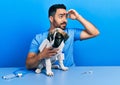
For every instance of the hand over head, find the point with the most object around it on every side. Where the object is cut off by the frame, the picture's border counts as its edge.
(72, 14)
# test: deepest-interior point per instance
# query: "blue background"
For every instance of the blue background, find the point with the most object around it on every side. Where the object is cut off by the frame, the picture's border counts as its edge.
(20, 20)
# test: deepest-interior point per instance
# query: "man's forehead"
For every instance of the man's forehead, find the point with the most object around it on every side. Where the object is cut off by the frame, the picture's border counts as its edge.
(61, 11)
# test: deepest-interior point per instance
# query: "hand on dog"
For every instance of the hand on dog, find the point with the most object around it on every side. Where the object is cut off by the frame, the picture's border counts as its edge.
(48, 52)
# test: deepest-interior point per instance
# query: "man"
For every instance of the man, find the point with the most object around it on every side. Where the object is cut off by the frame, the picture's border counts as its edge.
(58, 19)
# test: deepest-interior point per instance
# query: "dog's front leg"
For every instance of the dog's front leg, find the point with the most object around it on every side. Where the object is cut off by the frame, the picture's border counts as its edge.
(61, 58)
(48, 67)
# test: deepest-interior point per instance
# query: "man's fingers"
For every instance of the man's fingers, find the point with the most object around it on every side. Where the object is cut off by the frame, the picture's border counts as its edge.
(71, 11)
(51, 54)
(50, 48)
(48, 52)
(53, 50)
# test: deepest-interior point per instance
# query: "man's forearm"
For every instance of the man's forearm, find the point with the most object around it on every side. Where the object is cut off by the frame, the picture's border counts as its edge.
(32, 62)
(90, 28)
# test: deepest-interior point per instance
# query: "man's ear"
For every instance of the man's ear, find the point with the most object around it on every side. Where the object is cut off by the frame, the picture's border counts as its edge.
(51, 19)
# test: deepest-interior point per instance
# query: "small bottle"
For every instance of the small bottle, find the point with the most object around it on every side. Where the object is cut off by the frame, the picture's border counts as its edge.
(9, 76)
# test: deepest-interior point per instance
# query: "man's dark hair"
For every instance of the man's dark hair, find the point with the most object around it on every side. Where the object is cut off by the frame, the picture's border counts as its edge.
(53, 8)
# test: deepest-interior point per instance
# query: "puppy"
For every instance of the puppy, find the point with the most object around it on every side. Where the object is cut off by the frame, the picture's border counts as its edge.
(55, 39)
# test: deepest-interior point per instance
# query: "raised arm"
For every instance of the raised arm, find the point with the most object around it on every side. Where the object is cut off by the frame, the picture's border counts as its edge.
(90, 30)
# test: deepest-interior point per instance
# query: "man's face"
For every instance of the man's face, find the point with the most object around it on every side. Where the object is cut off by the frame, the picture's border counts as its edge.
(60, 19)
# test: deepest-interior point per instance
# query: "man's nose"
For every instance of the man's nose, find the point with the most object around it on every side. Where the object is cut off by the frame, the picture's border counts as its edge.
(65, 19)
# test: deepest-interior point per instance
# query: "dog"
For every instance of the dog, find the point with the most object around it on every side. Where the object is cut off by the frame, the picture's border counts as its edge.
(55, 39)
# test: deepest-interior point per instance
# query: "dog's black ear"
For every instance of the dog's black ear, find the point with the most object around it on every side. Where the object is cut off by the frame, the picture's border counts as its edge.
(66, 37)
(50, 36)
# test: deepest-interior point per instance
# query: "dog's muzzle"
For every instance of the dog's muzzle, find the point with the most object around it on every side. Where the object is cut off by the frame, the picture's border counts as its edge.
(58, 40)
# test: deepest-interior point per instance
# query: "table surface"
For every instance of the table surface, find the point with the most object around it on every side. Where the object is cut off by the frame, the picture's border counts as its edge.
(101, 75)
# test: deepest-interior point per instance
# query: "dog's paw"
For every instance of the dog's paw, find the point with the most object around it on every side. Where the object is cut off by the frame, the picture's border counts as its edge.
(64, 68)
(38, 71)
(50, 73)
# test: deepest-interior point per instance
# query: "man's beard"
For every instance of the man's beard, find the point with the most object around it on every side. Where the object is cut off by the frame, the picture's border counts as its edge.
(60, 25)
(63, 27)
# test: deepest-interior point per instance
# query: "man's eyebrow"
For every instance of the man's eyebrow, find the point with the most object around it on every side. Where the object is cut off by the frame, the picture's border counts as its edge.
(63, 14)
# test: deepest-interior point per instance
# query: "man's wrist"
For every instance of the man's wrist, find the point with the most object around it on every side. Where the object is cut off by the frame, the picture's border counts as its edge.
(39, 56)
(80, 18)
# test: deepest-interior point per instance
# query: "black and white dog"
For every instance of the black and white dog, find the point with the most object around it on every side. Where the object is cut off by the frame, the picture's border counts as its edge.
(56, 39)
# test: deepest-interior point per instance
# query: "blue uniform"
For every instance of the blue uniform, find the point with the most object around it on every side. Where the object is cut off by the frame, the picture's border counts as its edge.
(74, 34)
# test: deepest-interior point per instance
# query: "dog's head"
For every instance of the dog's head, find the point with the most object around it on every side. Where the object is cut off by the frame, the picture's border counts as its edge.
(57, 36)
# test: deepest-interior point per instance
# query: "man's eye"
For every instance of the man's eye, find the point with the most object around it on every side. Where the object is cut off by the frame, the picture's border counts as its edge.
(60, 16)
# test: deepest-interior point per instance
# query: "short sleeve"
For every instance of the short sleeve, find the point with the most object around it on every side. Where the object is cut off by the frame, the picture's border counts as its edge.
(77, 33)
(35, 44)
